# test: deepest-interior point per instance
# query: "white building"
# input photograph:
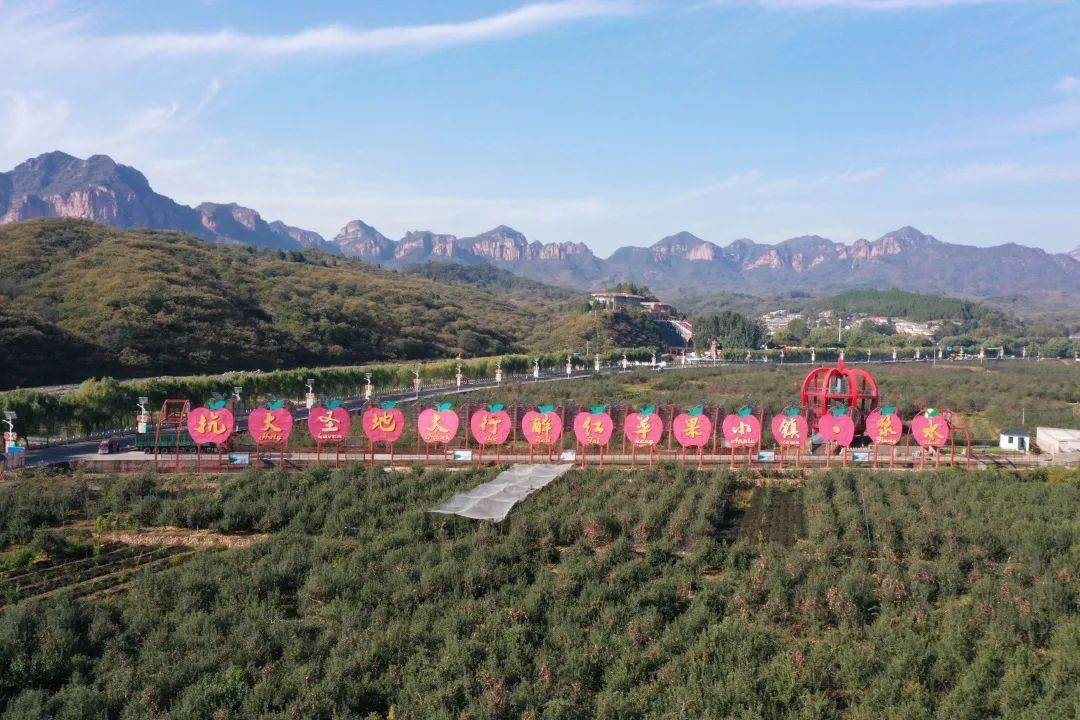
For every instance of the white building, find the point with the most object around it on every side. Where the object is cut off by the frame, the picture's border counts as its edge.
(1057, 440)
(1014, 439)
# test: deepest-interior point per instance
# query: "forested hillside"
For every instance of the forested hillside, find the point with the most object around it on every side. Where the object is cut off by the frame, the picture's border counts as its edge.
(93, 299)
(79, 299)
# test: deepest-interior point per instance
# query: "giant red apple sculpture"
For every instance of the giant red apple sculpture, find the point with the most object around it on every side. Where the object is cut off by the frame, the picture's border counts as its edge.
(270, 425)
(542, 426)
(384, 423)
(644, 428)
(329, 423)
(884, 426)
(438, 424)
(212, 424)
(930, 429)
(836, 426)
(742, 428)
(692, 428)
(594, 427)
(790, 428)
(491, 426)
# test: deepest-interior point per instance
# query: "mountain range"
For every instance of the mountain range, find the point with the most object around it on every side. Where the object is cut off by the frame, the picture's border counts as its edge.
(98, 188)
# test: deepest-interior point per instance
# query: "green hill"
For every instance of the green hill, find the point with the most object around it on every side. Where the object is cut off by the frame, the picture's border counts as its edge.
(79, 299)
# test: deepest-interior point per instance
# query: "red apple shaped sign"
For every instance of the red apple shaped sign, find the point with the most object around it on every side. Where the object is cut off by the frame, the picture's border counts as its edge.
(930, 429)
(270, 425)
(692, 428)
(438, 424)
(491, 426)
(384, 423)
(542, 426)
(212, 424)
(594, 427)
(329, 423)
(742, 428)
(837, 426)
(884, 426)
(644, 428)
(790, 428)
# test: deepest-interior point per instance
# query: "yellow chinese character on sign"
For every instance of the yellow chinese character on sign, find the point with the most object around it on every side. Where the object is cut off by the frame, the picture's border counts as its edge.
(643, 428)
(436, 424)
(210, 424)
(329, 423)
(387, 423)
(932, 432)
(490, 424)
(541, 427)
(692, 430)
(269, 425)
(885, 427)
(789, 428)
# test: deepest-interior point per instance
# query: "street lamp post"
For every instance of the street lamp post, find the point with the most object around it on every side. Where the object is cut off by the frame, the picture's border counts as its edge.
(367, 386)
(309, 399)
(569, 366)
(536, 368)
(9, 436)
(498, 371)
(143, 421)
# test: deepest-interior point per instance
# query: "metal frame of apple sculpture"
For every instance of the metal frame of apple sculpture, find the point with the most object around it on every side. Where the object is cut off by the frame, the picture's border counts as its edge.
(827, 387)
(830, 393)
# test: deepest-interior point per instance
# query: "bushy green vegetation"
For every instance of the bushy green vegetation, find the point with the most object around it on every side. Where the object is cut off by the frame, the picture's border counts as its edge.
(730, 330)
(608, 594)
(493, 279)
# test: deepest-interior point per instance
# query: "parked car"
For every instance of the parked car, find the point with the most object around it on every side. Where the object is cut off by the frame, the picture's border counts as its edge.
(109, 446)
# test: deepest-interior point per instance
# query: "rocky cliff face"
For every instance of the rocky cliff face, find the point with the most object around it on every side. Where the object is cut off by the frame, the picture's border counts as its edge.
(98, 188)
(304, 238)
(358, 239)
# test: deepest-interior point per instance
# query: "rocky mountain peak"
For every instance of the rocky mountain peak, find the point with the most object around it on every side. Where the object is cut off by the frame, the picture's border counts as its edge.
(358, 239)
(686, 246)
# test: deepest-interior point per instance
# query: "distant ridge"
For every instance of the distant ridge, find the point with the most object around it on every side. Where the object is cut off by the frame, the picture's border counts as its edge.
(98, 188)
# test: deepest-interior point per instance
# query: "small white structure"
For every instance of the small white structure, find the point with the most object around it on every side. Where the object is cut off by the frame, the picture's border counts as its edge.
(1014, 439)
(1057, 440)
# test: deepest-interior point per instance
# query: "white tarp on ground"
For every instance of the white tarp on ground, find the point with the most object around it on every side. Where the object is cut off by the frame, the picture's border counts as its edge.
(493, 499)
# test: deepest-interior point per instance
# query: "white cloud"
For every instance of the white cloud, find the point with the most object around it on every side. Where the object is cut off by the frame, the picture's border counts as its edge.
(343, 40)
(31, 118)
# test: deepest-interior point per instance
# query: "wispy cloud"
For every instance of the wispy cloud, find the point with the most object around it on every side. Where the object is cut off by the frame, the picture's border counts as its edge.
(1069, 84)
(345, 40)
(878, 5)
(992, 173)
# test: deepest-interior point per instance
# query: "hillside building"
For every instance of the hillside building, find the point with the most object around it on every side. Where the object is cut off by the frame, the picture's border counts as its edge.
(618, 299)
(1014, 439)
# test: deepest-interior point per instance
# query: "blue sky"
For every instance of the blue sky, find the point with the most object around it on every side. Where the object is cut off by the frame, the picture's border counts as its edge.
(613, 122)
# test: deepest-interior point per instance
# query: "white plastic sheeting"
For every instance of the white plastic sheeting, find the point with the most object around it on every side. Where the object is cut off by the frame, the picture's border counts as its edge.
(494, 499)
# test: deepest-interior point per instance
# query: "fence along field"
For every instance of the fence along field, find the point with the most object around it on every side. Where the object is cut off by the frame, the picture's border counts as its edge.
(620, 594)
